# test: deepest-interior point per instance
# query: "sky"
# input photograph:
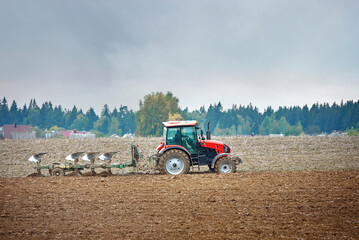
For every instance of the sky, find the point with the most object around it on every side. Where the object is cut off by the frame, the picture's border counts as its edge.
(91, 53)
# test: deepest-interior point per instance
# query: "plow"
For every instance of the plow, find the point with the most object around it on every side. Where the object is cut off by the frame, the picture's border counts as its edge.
(183, 148)
(73, 165)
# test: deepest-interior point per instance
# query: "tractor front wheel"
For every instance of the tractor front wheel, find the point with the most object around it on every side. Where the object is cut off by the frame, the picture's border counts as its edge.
(57, 172)
(225, 165)
(174, 162)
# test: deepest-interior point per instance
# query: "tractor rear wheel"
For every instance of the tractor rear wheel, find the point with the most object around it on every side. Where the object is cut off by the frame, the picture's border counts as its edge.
(174, 162)
(225, 165)
(57, 172)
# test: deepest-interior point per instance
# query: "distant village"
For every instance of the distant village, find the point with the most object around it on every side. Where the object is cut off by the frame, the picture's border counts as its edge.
(24, 132)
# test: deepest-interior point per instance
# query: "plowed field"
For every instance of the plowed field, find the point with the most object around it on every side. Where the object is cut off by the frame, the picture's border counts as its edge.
(286, 188)
(266, 205)
(258, 153)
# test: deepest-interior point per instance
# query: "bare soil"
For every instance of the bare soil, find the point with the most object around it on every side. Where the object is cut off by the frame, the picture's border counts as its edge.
(286, 188)
(303, 153)
(247, 205)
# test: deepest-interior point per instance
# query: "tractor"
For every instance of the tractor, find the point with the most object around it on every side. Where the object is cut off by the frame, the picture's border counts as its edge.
(184, 146)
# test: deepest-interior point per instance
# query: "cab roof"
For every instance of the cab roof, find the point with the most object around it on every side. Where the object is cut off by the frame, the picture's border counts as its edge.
(180, 123)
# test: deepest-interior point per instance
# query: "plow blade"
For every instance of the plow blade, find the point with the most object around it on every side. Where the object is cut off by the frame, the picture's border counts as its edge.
(36, 157)
(74, 156)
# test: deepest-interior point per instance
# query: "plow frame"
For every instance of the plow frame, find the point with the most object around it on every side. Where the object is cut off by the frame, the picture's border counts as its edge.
(75, 167)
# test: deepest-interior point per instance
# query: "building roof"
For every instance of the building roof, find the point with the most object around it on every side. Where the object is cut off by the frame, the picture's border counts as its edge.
(14, 128)
(68, 133)
(180, 123)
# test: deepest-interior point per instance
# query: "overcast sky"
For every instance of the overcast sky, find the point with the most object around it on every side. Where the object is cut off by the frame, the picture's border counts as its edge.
(91, 53)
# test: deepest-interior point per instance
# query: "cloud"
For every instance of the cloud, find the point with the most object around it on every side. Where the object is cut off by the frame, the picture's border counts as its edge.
(268, 53)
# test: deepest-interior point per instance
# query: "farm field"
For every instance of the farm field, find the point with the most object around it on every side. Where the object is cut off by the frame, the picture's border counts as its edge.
(248, 205)
(286, 188)
(258, 153)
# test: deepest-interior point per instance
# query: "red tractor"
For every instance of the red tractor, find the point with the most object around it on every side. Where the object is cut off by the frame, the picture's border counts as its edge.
(184, 146)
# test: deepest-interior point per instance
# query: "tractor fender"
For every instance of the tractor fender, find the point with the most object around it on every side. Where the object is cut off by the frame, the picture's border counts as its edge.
(216, 158)
(163, 150)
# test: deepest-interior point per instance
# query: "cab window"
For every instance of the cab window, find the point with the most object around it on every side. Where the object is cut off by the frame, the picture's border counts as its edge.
(174, 136)
(189, 139)
(164, 134)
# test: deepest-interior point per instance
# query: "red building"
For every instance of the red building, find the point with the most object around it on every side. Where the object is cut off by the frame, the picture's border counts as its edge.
(68, 133)
(8, 129)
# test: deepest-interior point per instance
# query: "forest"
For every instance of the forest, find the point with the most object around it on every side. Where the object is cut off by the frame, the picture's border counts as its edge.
(158, 107)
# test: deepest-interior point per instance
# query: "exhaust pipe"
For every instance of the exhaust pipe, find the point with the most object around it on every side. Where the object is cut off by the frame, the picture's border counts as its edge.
(208, 133)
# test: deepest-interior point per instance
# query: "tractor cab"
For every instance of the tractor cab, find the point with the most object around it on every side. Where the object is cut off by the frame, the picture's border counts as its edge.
(183, 142)
(181, 134)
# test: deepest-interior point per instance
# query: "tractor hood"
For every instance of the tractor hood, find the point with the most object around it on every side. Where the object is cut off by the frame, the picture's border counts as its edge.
(213, 142)
(220, 147)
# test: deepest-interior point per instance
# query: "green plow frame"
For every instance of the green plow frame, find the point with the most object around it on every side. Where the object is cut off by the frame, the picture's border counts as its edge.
(76, 167)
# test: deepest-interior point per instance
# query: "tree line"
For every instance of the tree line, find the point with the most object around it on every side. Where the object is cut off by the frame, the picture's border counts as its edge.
(48, 117)
(159, 107)
(245, 120)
